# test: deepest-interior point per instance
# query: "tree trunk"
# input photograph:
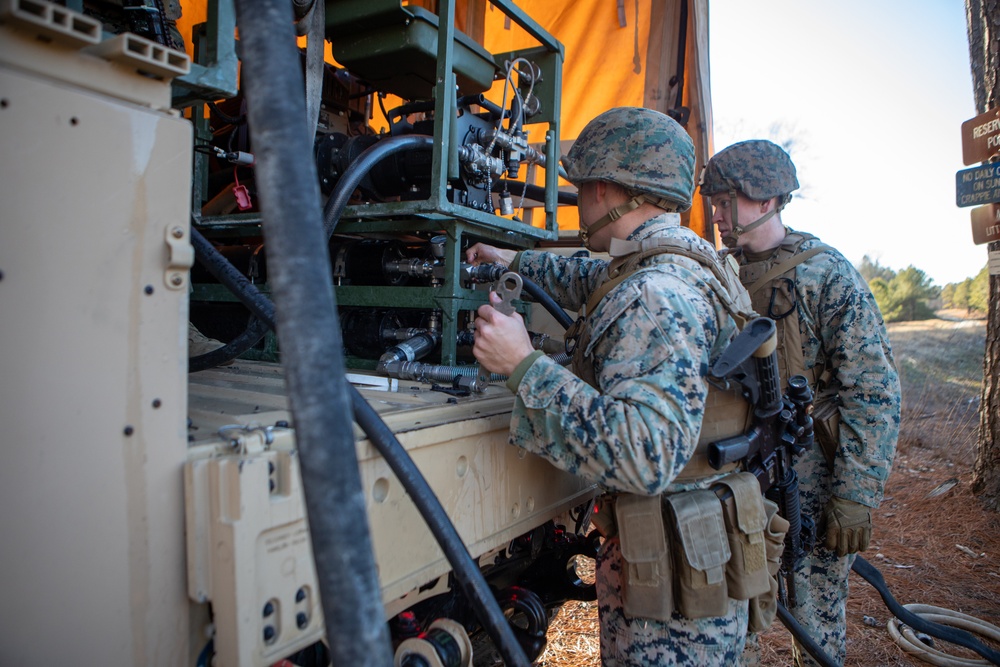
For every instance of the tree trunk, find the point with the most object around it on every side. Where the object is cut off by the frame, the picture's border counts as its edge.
(983, 18)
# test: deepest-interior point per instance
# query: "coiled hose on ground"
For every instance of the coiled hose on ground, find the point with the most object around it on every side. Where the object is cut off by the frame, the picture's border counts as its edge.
(909, 642)
(928, 625)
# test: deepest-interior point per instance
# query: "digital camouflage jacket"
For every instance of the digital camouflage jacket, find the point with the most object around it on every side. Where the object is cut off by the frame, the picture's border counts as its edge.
(842, 331)
(654, 339)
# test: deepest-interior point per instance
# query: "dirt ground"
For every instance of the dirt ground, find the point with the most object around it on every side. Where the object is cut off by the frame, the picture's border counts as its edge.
(940, 549)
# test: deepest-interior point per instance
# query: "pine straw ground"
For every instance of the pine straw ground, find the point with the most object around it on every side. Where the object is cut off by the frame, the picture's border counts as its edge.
(927, 548)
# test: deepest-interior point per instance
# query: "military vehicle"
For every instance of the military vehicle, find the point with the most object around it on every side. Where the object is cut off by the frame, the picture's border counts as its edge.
(167, 510)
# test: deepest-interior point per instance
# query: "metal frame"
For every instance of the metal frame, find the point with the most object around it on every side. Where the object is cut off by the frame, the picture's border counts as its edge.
(435, 214)
(213, 75)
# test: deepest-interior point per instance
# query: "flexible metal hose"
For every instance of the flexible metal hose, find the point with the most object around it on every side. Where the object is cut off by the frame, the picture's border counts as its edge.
(907, 640)
(952, 634)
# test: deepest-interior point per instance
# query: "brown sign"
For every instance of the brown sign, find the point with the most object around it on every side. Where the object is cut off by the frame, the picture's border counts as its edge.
(986, 224)
(981, 137)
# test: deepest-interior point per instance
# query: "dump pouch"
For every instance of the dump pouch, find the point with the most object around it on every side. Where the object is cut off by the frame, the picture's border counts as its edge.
(700, 554)
(746, 519)
(764, 607)
(826, 424)
(647, 582)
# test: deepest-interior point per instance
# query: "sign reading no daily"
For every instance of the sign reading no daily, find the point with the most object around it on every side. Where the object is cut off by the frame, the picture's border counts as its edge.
(977, 186)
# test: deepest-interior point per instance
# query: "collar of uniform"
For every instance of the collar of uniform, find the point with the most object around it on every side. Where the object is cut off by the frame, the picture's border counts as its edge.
(763, 255)
(655, 225)
(644, 237)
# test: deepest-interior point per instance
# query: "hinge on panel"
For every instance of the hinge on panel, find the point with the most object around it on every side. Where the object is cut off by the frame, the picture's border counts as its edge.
(180, 257)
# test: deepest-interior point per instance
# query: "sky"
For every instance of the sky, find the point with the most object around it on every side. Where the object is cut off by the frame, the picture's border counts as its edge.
(873, 96)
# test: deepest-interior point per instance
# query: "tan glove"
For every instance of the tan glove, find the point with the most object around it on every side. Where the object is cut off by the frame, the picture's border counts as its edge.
(848, 526)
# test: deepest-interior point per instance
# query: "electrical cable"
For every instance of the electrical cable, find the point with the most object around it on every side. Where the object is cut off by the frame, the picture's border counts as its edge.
(205, 657)
(232, 120)
(546, 301)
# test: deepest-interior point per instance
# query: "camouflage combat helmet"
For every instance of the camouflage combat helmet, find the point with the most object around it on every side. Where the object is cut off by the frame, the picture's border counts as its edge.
(644, 151)
(757, 169)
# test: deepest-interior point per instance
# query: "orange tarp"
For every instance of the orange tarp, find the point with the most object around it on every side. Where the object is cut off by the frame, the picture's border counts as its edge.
(617, 53)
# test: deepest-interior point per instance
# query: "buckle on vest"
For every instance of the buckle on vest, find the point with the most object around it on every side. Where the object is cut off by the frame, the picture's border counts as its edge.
(572, 335)
(790, 286)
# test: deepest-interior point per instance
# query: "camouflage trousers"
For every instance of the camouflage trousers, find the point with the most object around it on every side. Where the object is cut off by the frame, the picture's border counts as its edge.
(821, 577)
(632, 642)
(821, 601)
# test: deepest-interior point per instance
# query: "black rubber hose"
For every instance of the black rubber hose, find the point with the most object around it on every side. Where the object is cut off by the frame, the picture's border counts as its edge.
(954, 635)
(248, 338)
(547, 302)
(470, 579)
(803, 638)
(309, 335)
(354, 174)
(223, 270)
(535, 192)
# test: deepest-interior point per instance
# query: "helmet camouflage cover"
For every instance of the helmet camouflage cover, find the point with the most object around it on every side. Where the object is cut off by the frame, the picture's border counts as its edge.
(642, 150)
(759, 169)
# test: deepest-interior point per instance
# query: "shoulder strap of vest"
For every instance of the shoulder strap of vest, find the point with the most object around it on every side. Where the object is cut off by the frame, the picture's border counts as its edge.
(787, 265)
(624, 265)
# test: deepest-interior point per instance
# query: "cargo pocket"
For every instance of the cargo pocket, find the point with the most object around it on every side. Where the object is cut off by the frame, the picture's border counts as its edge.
(764, 607)
(701, 551)
(544, 391)
(745, 518)
(647, 590)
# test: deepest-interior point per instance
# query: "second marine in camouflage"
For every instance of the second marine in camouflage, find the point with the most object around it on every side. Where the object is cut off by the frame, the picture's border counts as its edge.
(831, 330)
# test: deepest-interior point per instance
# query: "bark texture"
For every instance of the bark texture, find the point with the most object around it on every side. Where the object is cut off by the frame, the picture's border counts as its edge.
(983, 19)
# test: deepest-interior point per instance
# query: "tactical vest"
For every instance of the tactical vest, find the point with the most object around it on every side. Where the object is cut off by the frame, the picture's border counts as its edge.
(726, 412)
(771, 284)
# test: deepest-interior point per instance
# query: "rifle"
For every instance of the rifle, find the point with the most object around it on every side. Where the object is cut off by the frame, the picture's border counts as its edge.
(782, 427)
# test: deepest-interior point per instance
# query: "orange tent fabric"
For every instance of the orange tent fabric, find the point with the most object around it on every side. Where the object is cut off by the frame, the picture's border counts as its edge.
(617, 53)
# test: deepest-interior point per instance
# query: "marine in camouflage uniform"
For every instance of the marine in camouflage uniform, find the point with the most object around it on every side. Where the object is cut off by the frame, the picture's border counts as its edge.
(653, 339)
(845, 350)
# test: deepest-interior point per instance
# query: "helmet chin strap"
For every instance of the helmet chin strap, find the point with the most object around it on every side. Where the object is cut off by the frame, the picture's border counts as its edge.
(620, 210)
(729, 240)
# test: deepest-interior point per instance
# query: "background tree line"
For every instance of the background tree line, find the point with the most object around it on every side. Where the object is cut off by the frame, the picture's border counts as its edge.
(910, 294)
